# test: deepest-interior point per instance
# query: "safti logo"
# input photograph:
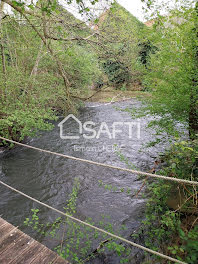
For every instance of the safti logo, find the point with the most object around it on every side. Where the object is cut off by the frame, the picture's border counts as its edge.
(116, 129)
(63, 122)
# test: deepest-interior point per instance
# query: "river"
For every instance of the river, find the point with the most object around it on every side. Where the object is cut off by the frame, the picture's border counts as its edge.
(50, 178)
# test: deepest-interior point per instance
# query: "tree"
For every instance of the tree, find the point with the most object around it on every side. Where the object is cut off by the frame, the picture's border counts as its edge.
(120, 32)
(193, 113)
(48, 61)
(172, 72)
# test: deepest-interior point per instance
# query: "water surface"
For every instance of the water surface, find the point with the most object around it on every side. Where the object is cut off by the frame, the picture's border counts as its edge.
(50, 178)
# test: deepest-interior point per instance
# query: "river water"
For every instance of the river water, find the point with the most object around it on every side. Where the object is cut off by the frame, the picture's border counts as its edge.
(50, 178)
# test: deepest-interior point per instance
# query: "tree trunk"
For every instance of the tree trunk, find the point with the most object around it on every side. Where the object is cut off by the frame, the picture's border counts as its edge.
(1, 39)
(193, 111)
(35, 68)
(9, 45)
(2, 50)
(3, 58)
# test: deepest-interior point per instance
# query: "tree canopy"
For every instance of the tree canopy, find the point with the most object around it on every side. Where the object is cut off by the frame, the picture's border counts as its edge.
(171, 74)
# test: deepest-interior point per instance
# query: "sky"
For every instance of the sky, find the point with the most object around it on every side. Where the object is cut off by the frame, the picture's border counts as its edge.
(134, 7)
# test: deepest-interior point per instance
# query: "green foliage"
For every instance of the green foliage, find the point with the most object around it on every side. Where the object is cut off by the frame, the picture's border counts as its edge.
(191, 244)
(120, 31)
(163, 226)
(29, 100)
(146, 49)
(117, 72)
(51, 6)
(171, 70)
(82, 66)
(24, 118)
(181, 160)
(109, 187)
(77, 240)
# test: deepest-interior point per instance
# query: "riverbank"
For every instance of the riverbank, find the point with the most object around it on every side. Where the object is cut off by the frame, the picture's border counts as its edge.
(50, 179)
(110, 94)
(107, 95)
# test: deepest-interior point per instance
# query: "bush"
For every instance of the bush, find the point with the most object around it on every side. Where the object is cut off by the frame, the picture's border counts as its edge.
(117, 72)
(174, 230)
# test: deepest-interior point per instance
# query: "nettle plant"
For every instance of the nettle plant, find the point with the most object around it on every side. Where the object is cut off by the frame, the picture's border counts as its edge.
(79, 243)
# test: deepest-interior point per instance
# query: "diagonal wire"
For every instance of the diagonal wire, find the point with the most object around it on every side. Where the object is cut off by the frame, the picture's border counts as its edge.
(195, 183)
(94, 227)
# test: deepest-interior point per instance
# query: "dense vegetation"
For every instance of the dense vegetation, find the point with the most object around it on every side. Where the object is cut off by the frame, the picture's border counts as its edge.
(171, 72)
(49, 61)
(120, 59)
(171, 77)
(171, 225)
(39, 78)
